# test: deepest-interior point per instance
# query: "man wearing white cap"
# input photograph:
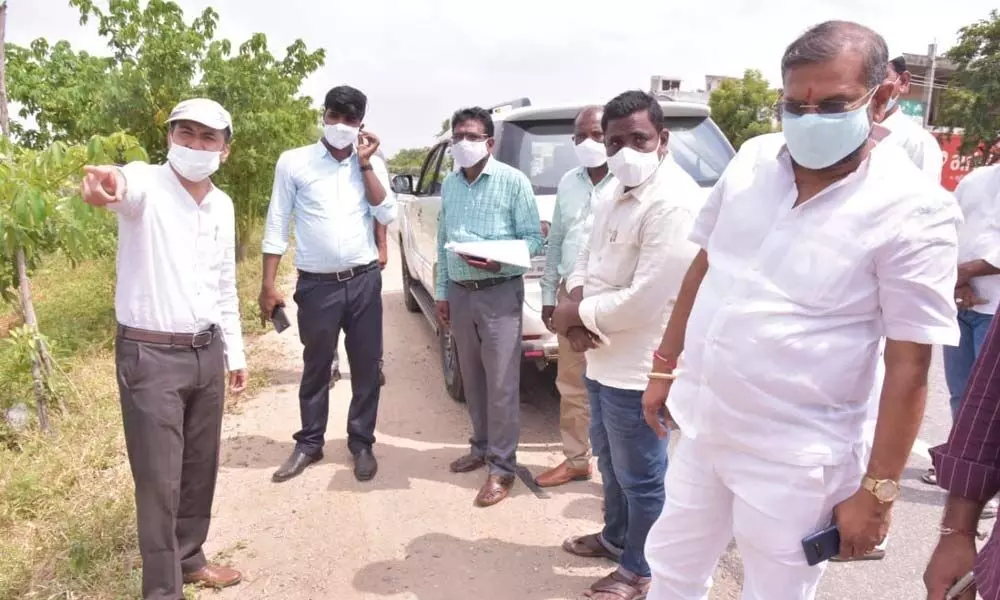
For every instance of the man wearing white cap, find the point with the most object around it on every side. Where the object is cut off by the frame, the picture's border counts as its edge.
(178, 333)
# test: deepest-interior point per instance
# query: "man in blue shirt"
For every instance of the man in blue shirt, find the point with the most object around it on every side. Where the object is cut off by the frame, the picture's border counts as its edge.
(335, 189)
(481, 300)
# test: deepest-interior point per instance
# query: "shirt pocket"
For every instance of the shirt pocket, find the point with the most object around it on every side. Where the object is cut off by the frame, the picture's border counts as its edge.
(816, 268)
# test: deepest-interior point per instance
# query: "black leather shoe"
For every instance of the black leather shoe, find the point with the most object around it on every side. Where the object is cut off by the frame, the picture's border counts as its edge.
(381, 378)
(294, 466)
(365, 465)
(335, 376)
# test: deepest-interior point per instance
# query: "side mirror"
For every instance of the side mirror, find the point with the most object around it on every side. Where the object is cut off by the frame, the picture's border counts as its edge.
(402, 184)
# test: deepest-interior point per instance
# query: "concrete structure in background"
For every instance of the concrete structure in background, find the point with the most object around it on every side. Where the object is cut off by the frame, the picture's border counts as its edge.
(914, 104)
(664, 87)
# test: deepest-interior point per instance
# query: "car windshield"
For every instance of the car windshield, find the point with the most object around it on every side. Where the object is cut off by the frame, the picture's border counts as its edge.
(543, 150)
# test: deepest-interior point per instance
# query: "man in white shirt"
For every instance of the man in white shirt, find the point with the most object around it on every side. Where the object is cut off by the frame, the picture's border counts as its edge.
(333, 191)
(178, 333)
(621, 294)
(579, 191)
(918, 143)
(814, 248)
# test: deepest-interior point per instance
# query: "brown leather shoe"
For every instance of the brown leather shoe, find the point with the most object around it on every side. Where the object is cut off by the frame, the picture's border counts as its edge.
(214, 576)
(562, 475)
(496, 488)
(467, 463)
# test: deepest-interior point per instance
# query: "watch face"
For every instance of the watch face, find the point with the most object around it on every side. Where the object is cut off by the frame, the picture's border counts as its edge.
(886, 491)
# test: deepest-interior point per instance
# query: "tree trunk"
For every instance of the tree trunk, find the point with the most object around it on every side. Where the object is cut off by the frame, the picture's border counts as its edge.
(31, 321)
(241, 251)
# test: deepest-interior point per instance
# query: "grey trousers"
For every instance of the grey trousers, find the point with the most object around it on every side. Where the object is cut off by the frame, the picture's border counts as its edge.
(486, 327)
(172, 399)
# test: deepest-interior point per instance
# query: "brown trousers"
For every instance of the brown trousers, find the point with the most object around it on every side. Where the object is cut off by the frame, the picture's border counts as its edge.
(172, 399)
(574, 404)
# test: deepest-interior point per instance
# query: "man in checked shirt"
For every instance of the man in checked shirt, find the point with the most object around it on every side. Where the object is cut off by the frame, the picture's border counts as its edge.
(481, 300)
(968, 466)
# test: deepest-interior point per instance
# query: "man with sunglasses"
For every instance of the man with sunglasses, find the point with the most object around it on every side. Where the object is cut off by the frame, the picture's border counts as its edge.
(816, 246)
(481, 300)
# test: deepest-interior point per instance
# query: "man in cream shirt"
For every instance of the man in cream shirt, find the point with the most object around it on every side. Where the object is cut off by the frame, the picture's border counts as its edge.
(621, 294)
(579, 192)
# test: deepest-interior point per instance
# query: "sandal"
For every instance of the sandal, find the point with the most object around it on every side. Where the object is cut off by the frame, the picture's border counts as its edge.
(930, 477)
(589, 546)
(618, 587)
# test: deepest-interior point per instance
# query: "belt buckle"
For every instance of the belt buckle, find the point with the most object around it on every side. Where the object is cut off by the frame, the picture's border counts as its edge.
(350, 274)
(205, 335)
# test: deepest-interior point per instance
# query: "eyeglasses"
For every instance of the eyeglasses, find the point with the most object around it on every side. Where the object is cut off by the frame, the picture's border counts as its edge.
(470, 137)
(826, 107)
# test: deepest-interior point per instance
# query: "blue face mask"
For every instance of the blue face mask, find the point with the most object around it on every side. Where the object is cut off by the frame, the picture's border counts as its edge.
(817, 141)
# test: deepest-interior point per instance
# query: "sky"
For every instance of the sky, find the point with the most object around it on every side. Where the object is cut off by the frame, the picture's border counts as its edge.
(419, 60)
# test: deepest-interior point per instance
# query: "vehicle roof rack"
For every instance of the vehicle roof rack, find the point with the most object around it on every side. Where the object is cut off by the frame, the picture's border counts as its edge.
(509, 105)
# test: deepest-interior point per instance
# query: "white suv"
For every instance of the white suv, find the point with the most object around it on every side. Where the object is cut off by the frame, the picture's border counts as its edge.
(538, 141)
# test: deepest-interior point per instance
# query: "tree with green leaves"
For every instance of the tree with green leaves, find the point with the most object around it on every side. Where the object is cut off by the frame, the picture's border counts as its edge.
(158, 59)
(972, 100)
(408, 161)
(744, 108)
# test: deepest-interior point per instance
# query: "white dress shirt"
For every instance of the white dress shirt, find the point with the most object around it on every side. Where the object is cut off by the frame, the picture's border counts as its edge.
(782, 343)
(978, 195)
(334, 230)
(177, 259)
(631, 268)
(918, 143)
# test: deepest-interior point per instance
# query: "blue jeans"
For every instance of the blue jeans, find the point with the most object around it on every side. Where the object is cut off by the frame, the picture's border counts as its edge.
(633, 463)
(958, 360)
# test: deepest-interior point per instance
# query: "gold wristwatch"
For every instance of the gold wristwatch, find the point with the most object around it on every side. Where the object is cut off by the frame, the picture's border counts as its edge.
(884, 490)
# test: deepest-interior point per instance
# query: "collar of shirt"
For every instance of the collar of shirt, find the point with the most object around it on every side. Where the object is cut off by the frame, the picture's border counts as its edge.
(324, 151)
(489, 169)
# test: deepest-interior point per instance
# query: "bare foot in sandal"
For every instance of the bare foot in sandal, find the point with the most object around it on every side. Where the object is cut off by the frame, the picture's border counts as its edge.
(591, 546)
(618, 586)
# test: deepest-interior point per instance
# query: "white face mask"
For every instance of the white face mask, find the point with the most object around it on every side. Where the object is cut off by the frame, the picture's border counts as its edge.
(590, 153)
(193, 165)
(632, 167)
(467, 153)
(341, 136)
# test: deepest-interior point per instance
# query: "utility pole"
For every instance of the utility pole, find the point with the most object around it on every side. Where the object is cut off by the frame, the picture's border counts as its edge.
(932, 54)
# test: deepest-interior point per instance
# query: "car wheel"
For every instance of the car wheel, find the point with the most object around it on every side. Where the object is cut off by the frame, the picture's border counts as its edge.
(408, 300)
(450, 368)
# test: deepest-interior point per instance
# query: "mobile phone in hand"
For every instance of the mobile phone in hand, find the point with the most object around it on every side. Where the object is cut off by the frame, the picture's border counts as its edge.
(279, 319)
(961, 586)
(822, 545)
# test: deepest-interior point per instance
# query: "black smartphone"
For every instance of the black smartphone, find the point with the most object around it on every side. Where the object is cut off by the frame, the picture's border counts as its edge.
(822, 545)
(279, 319)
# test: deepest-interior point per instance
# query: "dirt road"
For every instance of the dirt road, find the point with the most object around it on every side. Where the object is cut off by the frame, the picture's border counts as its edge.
(412, 533)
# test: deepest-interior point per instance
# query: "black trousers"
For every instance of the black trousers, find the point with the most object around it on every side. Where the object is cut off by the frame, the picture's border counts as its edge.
(325, 307)
(172, 399)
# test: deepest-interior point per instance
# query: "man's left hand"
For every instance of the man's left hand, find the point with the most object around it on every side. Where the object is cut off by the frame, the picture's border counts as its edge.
(237, 381)
(484, 265)
(863, 523)
(383, 257)
(367, 145)
(565, 316)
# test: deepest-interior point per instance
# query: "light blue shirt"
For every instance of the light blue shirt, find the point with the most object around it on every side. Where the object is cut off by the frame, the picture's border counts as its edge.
(334, 230)
(499, 205)
(576, 198)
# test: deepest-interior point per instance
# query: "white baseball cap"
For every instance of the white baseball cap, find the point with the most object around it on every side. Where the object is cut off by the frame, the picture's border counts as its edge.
(202, 110)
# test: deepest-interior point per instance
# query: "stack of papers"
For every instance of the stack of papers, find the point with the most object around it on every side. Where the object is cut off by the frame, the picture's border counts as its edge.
(507, 252)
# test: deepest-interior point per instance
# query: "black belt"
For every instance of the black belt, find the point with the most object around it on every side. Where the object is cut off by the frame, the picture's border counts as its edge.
(482, 284)
(190, 340)
(340, 276)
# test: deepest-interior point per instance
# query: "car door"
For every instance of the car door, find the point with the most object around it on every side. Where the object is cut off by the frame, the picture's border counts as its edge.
(427, 206)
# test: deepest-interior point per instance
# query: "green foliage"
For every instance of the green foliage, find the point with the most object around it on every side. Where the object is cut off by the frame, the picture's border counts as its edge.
(972, 100)
(408, 161)
(158, 59)
(40, 209)
(744, 108)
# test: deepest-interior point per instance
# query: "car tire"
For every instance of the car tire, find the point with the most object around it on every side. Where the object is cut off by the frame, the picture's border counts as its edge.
(450, 368)
(408, 300)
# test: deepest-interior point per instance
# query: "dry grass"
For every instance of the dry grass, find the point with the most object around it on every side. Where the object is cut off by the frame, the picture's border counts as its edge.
(67, 522)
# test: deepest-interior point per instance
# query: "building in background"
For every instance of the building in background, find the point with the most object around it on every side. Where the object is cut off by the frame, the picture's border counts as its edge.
(665, 87)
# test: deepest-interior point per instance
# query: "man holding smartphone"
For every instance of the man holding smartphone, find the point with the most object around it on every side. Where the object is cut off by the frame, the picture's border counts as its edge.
(334, 190)
(482, 300)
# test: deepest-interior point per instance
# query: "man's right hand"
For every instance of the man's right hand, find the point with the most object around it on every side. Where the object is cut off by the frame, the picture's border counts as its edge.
(100, 185)
(965, 298)
(654, 403)
(269, 298)
(954, 556)
(581, 340)
(443, 314)
(547, 317)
